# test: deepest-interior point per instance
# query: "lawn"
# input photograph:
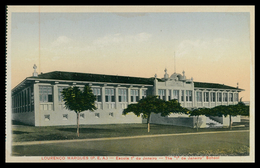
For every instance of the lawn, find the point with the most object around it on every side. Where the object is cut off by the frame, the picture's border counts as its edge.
(23, 133)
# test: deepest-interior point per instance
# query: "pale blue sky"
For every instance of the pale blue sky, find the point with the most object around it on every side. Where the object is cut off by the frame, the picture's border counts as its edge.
(210, 47)
(163, 26)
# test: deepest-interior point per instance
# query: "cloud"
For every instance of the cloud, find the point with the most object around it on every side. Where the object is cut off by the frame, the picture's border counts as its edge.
(61, 40)
(64, 45)
(120, 39)
(213, 49)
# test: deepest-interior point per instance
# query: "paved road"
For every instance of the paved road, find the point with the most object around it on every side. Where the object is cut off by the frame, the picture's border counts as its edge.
(144, 146)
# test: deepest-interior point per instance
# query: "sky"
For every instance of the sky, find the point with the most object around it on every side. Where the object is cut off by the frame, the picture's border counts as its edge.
(210, 47)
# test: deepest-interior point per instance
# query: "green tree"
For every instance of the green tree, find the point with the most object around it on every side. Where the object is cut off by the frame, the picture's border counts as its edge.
(197, 112)
(234, 110)
(78, 100)
(222, 110)
(173, 106)
(152, 104)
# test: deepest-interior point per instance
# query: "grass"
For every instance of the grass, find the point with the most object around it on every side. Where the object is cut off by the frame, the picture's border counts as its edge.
(23, 133)
(232, 151)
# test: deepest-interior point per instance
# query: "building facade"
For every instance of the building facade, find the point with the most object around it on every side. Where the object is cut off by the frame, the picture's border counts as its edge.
(37, 100)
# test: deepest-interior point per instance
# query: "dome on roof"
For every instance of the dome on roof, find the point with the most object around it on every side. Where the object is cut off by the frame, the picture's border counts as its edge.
(175, 76)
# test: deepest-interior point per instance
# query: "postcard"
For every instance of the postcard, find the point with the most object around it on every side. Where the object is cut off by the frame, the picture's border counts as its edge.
(130, 84)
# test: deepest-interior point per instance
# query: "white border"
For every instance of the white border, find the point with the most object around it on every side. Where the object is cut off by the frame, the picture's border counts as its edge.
(251, 9)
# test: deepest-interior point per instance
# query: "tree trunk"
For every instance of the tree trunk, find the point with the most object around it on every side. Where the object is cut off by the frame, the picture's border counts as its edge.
(230, 122)
(148, 123)
(78, 124)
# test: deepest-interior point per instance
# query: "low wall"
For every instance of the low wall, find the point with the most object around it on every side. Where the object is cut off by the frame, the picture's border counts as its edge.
(25, 117)
(218, 119)
(180, 121)
(88, 118)
(225, 120)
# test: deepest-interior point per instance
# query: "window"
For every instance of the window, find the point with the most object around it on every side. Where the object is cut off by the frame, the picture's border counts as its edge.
(170, 94)
(47, 117)
(32, 100)
(81, 115)
(188, 95)
(122, 95)
(212, 96)
(111, 114)
(206, 96)
(182, 95)
(199, 96)
(144, 93)
(231, 97)
(97, 115)
(176, 94)
(65, 116)
(45, 94)
(60, 89)
(161, 93)
(25, 100)
(219, 97)
(134, 95)
(29, 99)
(110, 95)
(235, 96)
(22, 100)
(97, 93)
(225, 97)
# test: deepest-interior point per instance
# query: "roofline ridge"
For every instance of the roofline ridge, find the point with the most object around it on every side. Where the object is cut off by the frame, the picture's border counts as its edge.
(96, 74)
(221, 85)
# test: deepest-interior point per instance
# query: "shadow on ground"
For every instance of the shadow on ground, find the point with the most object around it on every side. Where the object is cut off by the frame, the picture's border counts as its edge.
(20, 132)
(84, 130)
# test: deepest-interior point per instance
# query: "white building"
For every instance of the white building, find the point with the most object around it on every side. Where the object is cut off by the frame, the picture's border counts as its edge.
(37, 99)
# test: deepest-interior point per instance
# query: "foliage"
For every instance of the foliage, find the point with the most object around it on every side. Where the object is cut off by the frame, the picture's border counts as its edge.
(146, 106)
(152, 104)
(233, 110)
(199, 111)
(77, 100)
(173, 106)
(230, 110)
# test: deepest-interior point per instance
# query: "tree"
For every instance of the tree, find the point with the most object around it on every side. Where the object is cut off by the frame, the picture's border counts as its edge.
(173, 106)
(197, 112)
(78, 100)
(222, 110)
(234, 110)
(151, 104)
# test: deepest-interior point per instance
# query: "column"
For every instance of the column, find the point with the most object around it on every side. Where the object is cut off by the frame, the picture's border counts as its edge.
(227, 98)
(171, 93)
(140, 93)
(166, 94)
(29, 99)
(222, 98)
(193, 98)
(233, 97)
(116, 98)
(129, 95)
(202, 98)
(55, 98)
(37, 112)
(209, 99)
(103, 99)
(216, 98)
(184, 95)
(179, 96)
(155, 90)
